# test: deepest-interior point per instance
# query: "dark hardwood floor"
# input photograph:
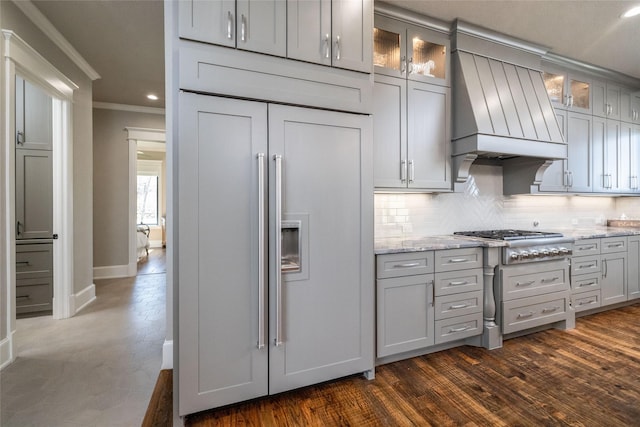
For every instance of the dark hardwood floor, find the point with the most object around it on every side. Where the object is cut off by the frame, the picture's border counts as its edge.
(156, 262)
(589, 376)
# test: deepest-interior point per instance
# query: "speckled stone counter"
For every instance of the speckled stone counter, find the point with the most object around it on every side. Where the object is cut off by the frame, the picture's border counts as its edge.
(597, 232)
(431, 243)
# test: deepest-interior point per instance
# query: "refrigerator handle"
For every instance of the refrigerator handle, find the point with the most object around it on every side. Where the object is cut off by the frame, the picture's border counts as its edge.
(278, 257)
(261, 251)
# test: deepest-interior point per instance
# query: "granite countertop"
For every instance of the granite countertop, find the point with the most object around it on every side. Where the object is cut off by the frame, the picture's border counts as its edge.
(393, 245)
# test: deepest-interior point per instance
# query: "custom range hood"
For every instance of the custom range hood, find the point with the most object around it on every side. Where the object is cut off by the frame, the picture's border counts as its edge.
(501, 109)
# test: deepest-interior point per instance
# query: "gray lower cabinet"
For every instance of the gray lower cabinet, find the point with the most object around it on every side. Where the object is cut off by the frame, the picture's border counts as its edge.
(34, 194)
(411, 135)
(599, 270)
(249, 323)
(34, 279)
(633, 267)
(428, 298)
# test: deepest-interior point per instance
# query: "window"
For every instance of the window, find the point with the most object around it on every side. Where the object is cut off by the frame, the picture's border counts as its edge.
(147, 212)
(149, 192)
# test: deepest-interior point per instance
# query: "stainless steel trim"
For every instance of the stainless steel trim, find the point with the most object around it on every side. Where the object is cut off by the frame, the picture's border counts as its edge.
(278, 254)
(261, 252)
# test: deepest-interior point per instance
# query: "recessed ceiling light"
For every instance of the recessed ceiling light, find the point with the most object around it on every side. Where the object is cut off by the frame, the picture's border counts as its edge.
(632, 12)
(152, 97)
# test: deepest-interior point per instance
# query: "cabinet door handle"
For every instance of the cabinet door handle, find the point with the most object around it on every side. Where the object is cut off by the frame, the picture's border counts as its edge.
(327, 46)
(582, 267)
(229, 25)
(529, 283)
(524, 315)
(570, 100)
(462, 329)
(410, 66)
(604, 267)
(458, 260)
(463, 282)
(23, 263)
(403, 65)
(278, 254)
(616, 245)
(243, 28)
(412, 171)
(337, 48)
(20, 137)
(403, 170)
(18, 224)
(407, 265)
(591, 301)
(261, 251)
(24, 297)
(570, 179)
(586, 248)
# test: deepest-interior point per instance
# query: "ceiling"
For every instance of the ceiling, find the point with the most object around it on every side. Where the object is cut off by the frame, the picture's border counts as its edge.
(123, 39)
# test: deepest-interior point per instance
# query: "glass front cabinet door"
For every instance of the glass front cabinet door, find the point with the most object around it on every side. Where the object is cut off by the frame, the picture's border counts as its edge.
(408, 51)
(567, 91)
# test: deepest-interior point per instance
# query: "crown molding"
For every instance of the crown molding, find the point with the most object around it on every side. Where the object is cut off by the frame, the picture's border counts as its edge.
(129, 108)
(41, 21)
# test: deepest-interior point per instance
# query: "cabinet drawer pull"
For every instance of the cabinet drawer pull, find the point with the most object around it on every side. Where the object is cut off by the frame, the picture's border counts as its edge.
(23, 263)
(591, 301)
(582, 267)
(617, 245)
(524, 315)
(586, 248)
(463, 282)
(582, 285)
(531, 282)
(550, 309)
(24, 297)
(454, 260)
(458, 306)
(407, 265)
(462, 329)
(553, 279)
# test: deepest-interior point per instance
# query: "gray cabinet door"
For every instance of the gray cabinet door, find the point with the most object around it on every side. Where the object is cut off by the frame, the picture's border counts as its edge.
(34, 117)
(556, 177)
(633, 268)
(219, 361)
(351, 28)
(390, 132)
(34, 194)
(405, 314)
(428, 136)
(606, 140)
(579, 155)
(326, 310)
(614, 278)
(255, 25)
(309, 30)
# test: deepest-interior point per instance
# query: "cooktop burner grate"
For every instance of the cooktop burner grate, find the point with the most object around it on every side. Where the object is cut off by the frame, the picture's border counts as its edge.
(509, 234)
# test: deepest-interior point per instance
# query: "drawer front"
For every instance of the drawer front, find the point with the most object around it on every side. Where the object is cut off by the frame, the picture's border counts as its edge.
(405, 264)
(458, 305)
(34, 295)
(585, 300)
(527, 313)
(585, 265)
(523, 281)
(587, 282)
(34, 261)
(458, 328)
(458, 259)
(586, 247)
(454, 282)
(613, 244)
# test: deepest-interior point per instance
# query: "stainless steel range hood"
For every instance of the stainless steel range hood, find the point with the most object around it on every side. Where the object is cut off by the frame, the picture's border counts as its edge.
(501, 109)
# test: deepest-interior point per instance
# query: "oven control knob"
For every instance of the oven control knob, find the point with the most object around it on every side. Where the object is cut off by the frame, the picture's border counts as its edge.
(514, 256)
(554, 251)
(545, 252)
(524, 255)
(534, 254)
(564, 251)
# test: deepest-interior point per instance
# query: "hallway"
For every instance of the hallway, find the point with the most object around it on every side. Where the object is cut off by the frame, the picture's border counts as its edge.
(95, 369)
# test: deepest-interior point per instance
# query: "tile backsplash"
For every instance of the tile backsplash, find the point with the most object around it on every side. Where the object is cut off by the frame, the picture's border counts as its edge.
(483, 206)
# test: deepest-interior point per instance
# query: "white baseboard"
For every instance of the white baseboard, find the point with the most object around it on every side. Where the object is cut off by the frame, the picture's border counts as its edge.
(6, 351)
(83, 298)
(114, 271)
(167, 355)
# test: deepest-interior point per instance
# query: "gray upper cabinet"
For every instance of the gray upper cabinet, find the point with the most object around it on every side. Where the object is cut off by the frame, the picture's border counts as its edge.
(254, 25)
(607, 156)
(331, 32)
(575, 173)
(630, 106)
(606, 99)
(411, 135)
(408, 51)
(34, 115)
(568, 91)
(629, 166)
(34, 194)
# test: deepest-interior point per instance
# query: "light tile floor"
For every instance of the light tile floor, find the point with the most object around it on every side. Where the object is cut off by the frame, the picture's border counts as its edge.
(97, 368)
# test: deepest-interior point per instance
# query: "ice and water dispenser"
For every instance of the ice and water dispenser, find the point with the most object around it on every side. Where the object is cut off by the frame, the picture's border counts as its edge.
(291, 246)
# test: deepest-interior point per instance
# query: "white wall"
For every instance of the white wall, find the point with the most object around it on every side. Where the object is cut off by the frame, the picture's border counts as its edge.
(482, 206)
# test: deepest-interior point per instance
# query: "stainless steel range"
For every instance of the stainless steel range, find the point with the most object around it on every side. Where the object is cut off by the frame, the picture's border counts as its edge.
(523, 246)
(531, 282)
